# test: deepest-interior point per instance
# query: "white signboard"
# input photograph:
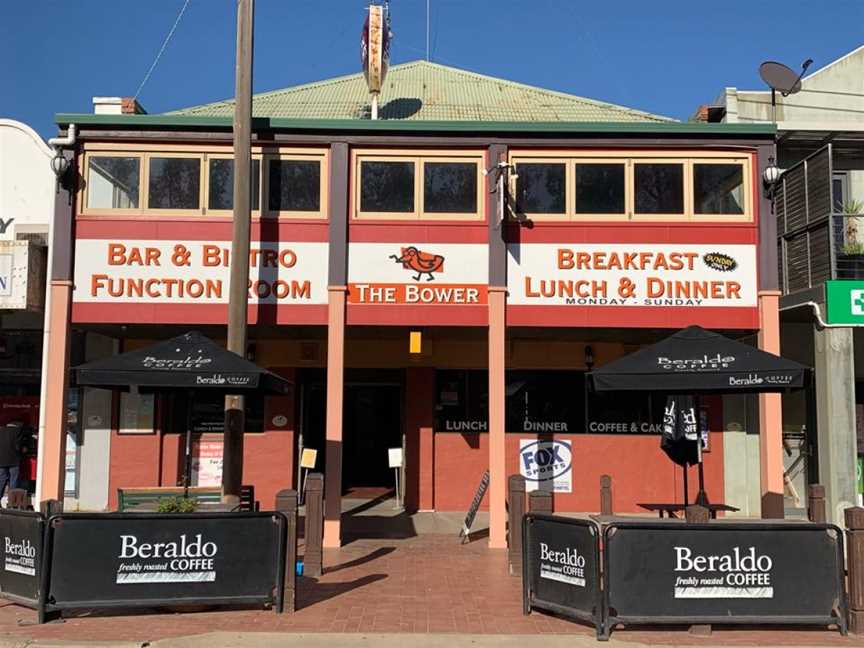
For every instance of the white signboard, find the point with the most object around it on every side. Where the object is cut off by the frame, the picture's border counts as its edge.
(657, 275)
(418, 274)
(394, 455)
(546, 465)
(22, 275)
(207, 463)
(196, 272)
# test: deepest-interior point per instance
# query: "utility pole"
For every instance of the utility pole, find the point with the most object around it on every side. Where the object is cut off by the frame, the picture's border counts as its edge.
(238, 296)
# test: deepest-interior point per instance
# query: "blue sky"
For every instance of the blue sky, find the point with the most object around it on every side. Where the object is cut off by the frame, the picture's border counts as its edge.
(663, 56)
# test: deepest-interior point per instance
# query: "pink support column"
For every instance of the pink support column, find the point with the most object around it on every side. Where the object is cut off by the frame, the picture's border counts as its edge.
(770, 413)
(52, 460)
(335, 383)
(497, 468)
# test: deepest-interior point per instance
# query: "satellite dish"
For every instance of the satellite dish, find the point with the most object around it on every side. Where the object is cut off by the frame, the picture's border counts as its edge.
(780, 77)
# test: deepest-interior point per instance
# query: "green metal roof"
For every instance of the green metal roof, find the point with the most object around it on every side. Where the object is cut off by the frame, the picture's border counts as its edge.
(424, 91)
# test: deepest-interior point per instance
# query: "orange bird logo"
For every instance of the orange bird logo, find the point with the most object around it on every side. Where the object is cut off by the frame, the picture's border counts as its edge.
(423, 263)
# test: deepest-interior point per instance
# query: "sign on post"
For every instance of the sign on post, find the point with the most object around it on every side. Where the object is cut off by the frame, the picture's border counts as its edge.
(561, 567)
(722, 573)
(145, 559)
(844, 302)
(21, 534)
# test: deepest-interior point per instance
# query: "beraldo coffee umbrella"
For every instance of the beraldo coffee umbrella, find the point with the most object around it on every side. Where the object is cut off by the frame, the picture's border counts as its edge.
(189, 362)
(691, 362)
(695, 361)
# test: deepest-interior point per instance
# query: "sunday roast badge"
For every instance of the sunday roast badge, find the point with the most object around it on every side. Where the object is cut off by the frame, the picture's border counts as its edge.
(423, 263)
(719, 261)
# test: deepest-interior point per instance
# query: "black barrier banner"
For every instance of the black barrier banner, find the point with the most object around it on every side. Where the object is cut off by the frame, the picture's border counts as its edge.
(724, 573)
(21, 537)
(561, 567)
(125, 560)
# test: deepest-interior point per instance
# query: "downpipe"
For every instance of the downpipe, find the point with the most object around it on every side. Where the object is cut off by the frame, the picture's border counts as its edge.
(817, 313)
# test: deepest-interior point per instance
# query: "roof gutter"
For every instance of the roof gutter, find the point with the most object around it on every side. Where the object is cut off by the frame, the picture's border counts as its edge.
(394, 125)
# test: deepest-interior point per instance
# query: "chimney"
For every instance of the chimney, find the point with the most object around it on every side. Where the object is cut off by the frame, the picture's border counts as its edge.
(117, 106)
(701, 114)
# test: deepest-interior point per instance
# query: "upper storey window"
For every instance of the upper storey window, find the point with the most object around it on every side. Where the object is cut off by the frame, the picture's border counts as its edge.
(630, 185)
(174, 183)
(285, 183)
(113, 182)
(432, 186)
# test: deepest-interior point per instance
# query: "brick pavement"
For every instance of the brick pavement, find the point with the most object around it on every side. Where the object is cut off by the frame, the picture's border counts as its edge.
(425, 584)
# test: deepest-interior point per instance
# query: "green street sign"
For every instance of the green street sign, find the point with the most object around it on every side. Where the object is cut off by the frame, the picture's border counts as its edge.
(845, 302)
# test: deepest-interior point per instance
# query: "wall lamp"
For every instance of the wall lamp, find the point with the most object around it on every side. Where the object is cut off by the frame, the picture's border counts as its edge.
(770, 176)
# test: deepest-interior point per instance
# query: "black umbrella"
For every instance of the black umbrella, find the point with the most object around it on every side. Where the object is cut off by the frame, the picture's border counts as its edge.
(698, 361)
(189, 362)
(694, 361)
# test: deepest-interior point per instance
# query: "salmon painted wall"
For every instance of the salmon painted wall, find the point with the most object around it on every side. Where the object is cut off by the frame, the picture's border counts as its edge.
(640, 470)
(142, 460)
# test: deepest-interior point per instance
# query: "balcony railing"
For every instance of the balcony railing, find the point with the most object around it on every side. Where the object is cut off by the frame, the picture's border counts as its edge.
(848, 244)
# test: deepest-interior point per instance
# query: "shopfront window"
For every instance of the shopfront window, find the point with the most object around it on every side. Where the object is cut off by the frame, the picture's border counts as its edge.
(718, 188)
(113, 182)
(208, 413)
(541, 188)
(294, 185)
(221, 184)
(174, 183)
(462, 401)
(545, 401)
(624, 413)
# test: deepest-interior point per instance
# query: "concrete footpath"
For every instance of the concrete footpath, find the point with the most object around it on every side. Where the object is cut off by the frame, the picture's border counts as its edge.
(279, 640)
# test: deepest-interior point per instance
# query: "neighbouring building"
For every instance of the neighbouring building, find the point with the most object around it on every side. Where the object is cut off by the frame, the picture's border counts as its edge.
(819, 209)
(416, 305)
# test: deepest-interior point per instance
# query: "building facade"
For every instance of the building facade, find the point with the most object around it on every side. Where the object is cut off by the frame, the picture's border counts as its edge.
(819, 204)
(416, 300)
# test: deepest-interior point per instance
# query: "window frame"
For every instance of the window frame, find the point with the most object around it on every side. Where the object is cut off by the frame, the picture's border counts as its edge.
(229, 212)
(198, 211)
(628, 192)
(746, 181)
(419, 159)
(631, 157)
(85, 194)
(569, 194)
(686, 190)
(303, 155)
(204, 153)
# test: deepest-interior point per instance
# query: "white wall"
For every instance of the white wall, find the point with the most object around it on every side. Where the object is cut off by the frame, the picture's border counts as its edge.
(26, 180)
(832, 97)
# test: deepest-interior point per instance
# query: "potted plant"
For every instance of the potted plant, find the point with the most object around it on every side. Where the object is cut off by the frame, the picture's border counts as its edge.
(850, 257)
(177, 505)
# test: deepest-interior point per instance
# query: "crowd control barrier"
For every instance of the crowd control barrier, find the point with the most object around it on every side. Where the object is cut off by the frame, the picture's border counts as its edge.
(723, 573)
(684, 574)
(21, 535)
(129, 560)
(561, 568)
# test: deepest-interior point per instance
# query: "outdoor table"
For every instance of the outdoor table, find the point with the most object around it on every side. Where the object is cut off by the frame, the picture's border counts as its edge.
(671, 509)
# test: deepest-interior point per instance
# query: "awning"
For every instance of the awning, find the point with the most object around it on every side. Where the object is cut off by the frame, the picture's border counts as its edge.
(696, 361)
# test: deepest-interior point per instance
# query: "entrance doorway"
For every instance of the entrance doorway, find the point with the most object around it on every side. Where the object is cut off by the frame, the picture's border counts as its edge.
(371, 424)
